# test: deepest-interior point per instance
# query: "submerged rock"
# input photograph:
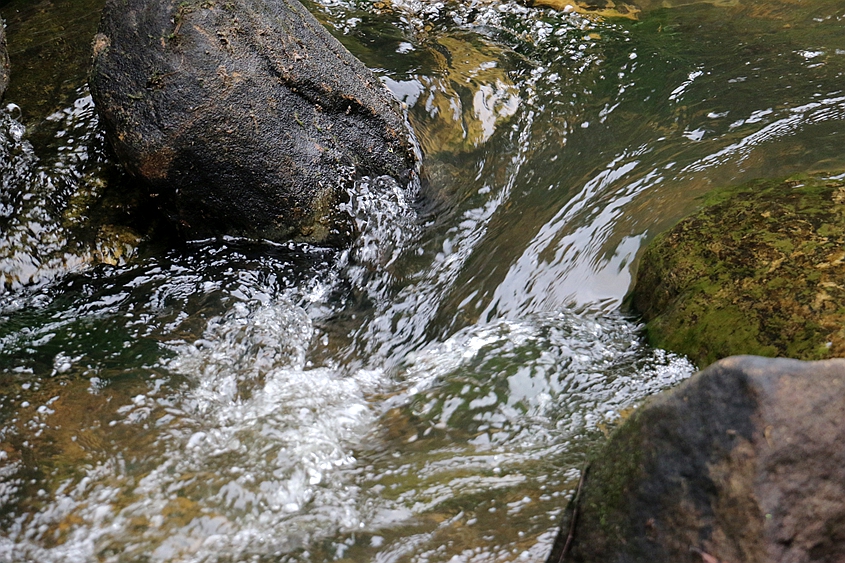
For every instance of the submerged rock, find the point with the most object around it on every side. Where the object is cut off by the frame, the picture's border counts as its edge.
(743, 462)
(243, 117)
(758, 270)
(50, 46)
(601, 8)
(4, 61)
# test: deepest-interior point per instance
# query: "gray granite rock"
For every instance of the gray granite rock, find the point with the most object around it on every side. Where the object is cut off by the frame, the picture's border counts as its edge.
(244, 117)
(742, 463)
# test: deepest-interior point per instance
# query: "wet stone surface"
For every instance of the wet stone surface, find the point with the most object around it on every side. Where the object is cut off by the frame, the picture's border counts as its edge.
(244, 118)
(739, 463)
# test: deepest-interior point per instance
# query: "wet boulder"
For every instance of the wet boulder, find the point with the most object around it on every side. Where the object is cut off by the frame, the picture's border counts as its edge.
(758, 270)
(243, 117)
(4, 61)
(741, 463)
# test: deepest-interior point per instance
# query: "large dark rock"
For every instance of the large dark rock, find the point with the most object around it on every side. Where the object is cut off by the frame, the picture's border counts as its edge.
(4, 61)
(244, 117)
(758, 270)
(742, 463)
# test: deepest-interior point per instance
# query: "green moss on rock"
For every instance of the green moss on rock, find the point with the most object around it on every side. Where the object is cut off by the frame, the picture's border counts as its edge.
(760, 269)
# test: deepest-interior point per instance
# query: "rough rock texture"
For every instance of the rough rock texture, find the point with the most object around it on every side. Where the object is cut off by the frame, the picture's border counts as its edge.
(4, 61)
(245, 117)
(742, 463)
(759, 270)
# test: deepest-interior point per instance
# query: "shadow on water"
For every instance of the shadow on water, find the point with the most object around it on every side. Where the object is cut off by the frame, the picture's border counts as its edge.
(430, 393)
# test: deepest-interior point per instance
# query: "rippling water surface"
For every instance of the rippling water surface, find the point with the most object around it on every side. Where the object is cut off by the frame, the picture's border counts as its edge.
(431, 393)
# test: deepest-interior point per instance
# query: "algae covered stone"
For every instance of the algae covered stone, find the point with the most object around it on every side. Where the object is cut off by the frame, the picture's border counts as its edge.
(760, 269)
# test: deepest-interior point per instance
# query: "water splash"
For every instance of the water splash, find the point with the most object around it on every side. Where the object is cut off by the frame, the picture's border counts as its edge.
(42, 202)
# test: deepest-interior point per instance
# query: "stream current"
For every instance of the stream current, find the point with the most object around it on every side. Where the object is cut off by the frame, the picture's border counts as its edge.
(432, 392)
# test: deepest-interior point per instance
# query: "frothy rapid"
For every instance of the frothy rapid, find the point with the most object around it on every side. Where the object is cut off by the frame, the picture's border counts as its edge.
(430, 393)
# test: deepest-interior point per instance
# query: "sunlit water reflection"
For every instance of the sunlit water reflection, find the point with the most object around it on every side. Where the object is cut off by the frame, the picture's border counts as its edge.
(431, 393)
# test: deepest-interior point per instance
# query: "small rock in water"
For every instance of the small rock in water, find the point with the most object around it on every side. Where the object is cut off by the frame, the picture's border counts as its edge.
(244, 118)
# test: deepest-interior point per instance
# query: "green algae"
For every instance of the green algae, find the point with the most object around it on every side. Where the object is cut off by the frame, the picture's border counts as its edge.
(758, 270)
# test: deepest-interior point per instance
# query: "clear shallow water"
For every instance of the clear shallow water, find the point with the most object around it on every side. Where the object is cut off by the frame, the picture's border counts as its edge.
(431, 393)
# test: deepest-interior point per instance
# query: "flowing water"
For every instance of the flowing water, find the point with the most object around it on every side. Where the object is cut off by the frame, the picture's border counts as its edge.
(431, 393)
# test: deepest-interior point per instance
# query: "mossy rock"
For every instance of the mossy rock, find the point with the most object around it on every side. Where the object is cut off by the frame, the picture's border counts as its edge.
(760, 269)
